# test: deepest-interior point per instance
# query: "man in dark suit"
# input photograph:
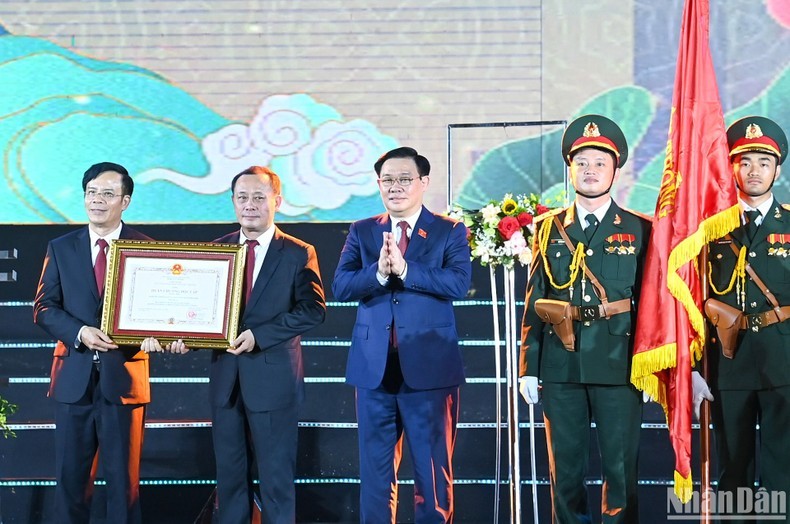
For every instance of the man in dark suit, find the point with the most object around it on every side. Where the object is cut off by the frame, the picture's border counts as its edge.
(257, 384)
(404, 358)
(585, 370)
(752, 385)
(100, 389)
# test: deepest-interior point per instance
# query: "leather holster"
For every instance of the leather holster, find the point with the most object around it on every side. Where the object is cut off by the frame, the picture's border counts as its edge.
(559, 314)
(728, 321)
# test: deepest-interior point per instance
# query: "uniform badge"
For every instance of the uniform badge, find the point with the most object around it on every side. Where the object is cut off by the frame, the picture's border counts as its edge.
(617, 219)
(777, 242)
(591, 130)
(776, 212)
(620, 244)
(753, 131)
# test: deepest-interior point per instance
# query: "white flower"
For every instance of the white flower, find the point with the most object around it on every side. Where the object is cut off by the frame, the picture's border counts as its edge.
(491, 215)
(525, 257)
(481, 250)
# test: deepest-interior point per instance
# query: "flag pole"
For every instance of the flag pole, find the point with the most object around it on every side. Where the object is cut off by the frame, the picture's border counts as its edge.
(704, 417)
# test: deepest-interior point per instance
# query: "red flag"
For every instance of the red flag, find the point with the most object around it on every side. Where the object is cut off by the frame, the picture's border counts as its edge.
(697, 203)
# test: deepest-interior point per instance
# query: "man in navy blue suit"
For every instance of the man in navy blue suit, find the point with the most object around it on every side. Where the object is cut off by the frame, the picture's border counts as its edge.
(100, 389)
(256, 385)
(405, 267)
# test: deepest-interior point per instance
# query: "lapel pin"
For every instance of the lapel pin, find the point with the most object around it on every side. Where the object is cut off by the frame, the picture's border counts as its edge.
(617, 219)
(776, 212)
(422, 233)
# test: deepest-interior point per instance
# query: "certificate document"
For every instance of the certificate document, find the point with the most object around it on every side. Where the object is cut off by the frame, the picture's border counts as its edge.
(171, 290)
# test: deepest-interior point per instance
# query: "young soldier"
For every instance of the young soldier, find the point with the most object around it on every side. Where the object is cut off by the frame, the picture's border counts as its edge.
(577, 327)
(750, 273)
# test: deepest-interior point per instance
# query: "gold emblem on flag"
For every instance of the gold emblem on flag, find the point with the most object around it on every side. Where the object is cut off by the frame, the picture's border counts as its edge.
(591, 130)
(753, 131)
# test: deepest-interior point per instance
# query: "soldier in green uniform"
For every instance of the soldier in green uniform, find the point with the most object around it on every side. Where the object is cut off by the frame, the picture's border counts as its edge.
(577, 328)
(750, 376)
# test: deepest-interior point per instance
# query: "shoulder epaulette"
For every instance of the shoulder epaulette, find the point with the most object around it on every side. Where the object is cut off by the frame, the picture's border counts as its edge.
(550, 213)
(649, 218)
(786, 207)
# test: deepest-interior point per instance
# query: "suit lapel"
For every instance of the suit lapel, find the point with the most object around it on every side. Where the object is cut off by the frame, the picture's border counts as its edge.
(418, 242)
(609, 225)
(573, 227)
(84, 260)
(270, 262)
(773, 222)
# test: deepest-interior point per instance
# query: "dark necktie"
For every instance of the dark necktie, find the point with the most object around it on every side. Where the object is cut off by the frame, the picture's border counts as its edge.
(249, 269)
(751, 223)
(592, 222)
(100, 266)
(403, 241)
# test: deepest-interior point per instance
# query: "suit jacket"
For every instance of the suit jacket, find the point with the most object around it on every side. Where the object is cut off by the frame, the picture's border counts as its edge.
(439, 270)
(762, 359)
(287, 300)
(615, 255)
(66, 300)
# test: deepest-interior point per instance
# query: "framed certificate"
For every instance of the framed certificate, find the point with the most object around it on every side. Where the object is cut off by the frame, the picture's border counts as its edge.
(173, 290)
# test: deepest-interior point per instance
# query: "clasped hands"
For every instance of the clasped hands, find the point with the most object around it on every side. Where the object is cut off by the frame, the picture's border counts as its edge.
(391, 261)
(244, 343)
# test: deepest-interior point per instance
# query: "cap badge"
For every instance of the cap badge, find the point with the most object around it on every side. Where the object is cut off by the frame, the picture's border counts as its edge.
(753, 131)
(591, 130)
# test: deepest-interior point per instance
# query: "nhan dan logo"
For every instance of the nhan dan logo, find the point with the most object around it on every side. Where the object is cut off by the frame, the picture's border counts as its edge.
(759, 505)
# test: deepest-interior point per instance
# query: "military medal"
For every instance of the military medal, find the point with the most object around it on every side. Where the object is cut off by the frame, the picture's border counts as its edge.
(777, 242)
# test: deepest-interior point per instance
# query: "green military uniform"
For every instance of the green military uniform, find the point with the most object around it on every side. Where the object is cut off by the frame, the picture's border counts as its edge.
(591, 382)
(754, 386)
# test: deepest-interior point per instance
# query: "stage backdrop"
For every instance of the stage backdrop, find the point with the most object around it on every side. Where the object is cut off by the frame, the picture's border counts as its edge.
(188, 93)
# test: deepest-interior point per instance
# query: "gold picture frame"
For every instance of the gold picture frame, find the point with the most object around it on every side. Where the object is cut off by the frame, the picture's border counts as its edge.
(173, 290)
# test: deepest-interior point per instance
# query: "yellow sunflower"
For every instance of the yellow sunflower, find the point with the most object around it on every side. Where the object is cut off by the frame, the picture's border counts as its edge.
(509, 206)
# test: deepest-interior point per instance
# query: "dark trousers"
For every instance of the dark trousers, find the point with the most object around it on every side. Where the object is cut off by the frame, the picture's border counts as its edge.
(428, 420)
(88, 429)
(269, 438)
(735, 414)
(617, 411)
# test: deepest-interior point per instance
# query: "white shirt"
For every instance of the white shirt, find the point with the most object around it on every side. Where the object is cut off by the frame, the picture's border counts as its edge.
(264, 241)
(599, 213)
(763, 208)
(113, 235)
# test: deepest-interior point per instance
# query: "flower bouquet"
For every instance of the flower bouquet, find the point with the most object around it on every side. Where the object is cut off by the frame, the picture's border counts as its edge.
(501, 232)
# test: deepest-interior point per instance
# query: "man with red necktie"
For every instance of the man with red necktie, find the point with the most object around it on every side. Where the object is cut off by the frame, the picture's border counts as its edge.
(100, 389)
(405, 267)
(257, 384)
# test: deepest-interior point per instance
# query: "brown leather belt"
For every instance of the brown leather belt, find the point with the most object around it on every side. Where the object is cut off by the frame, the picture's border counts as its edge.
(755, 321)
(585, 313)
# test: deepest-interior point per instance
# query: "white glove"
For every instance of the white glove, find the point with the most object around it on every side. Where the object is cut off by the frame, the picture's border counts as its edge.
(646, 398)
(528, 387)
(699, 391)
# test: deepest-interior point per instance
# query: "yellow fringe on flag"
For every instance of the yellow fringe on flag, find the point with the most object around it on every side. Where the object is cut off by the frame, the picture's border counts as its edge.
(646, 363)
(709, 230)
(684, 488)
